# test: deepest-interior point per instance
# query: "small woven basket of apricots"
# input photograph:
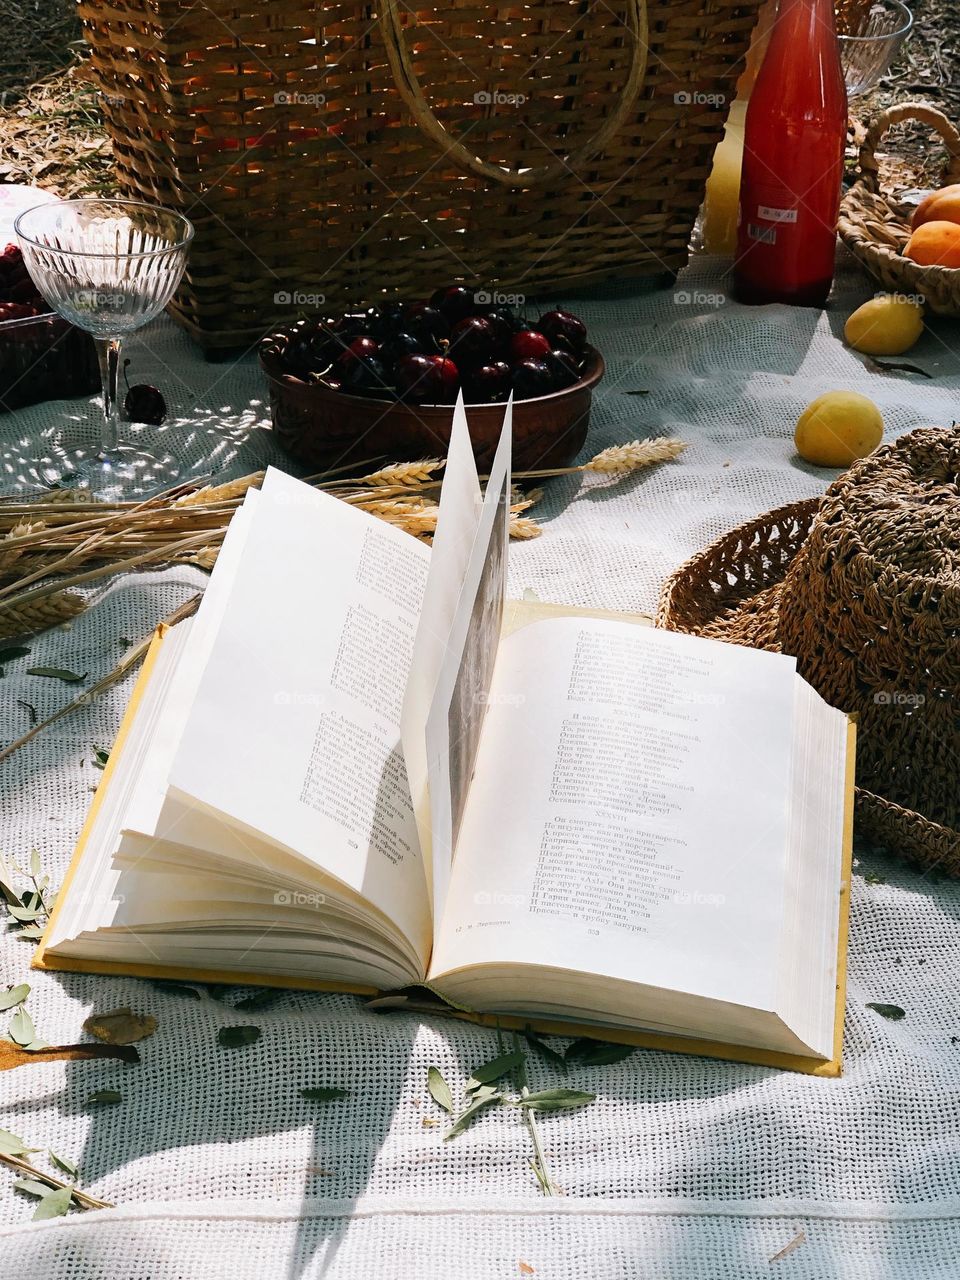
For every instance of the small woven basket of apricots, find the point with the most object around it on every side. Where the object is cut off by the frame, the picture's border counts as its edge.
(911, 250)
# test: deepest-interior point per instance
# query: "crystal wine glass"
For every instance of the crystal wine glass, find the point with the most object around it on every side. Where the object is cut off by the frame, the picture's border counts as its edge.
(108, 267)
(867, 53)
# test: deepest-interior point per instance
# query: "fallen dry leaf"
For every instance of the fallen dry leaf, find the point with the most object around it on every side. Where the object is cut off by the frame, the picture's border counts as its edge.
(525, 1268)
(120, 1026)
(12, 1055)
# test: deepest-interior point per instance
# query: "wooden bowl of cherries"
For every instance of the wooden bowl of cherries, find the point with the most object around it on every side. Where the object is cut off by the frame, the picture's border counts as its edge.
(382, 382)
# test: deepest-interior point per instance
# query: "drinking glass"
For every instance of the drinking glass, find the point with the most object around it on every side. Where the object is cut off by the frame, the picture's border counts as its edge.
(109, 267)
(868, 53)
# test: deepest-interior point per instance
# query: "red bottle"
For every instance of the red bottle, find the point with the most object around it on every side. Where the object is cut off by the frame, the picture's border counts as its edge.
(794, 139)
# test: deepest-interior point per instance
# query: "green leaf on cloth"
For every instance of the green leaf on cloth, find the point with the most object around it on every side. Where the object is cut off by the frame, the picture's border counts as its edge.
(439, 1090)
(891, 1011)
(235, 1037)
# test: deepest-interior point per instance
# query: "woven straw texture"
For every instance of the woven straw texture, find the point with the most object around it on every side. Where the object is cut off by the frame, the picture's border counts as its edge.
(684, 1169)
(876, 228)
(861, 589)
(329, 152)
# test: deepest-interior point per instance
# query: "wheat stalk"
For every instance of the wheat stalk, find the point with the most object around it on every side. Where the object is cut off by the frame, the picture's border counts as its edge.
(25, 619)
(21, 530)
(402, 474)
(523, 528)
(639, 453)
(227, 492)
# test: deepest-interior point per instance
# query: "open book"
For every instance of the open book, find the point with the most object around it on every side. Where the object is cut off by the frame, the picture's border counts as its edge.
(360, 768)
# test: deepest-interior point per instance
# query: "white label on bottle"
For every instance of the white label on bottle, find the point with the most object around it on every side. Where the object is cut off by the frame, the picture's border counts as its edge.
(769, 214)
(766, 235)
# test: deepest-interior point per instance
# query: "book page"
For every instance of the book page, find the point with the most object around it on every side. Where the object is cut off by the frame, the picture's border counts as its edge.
(628, 815)
(294, 733)
(459, 516)
(461, 697)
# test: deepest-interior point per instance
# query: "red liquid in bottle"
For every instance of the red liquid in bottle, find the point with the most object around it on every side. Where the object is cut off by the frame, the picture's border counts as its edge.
(794, 138)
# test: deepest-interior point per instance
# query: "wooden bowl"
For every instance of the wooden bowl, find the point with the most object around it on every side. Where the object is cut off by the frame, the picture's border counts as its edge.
(324, 429)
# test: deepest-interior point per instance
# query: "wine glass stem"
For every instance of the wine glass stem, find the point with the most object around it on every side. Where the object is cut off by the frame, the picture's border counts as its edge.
(108, 352)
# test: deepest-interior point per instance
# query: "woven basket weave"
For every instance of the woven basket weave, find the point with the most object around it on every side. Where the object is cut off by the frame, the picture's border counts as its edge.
(876, 228)
(864, 588)
(346, 151)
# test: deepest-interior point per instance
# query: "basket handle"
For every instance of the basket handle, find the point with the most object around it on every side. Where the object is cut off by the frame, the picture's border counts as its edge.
(909, 111)
(412, 94)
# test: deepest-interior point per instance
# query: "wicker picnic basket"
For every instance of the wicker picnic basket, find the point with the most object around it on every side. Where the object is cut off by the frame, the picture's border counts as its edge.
(862, 588)
(876, 227)
(350, 152)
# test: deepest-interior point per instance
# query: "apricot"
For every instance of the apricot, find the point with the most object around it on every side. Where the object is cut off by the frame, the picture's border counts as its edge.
(935, 244)
(938, 206)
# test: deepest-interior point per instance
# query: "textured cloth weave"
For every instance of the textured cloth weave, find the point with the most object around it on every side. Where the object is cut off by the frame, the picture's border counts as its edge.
(684, 1167)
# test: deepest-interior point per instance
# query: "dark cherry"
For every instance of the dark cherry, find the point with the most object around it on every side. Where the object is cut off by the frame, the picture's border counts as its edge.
(489, 384)
(473, 341)
(16, 311)
(353, 324)
(564, 324)
(422, 317)
(454, 302)
(364, 375)
(398, 345)
(361, 348)
(564, 367)
(310, 351)
(503, 331)
(427, 379)
(508, 318)
(390, 320)
(529, 345)
(532, 378)
(144, 403)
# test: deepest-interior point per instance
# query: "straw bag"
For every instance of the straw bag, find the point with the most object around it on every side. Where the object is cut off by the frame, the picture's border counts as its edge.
(331, 154)
(864, 588)
(876, 228)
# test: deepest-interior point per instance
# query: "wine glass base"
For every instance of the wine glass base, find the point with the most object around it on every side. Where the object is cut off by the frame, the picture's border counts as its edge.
(124, 472)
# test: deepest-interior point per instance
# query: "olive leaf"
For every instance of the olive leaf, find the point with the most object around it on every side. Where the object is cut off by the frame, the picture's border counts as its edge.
(178, 989)
(100, 758)
(324, 1093)
(541, 1047)
(597, 1053)
(30, 709)
(22, 1030)
(891, 1011)
(15, 995)
(57, 673)
(25, 914)
(68, 1167)
(439, 1090)
(556, 1099)
(235, 1037)
(494, 1069)
(483, 1098)
(35, 868)
(31, 1186)
(11, 1145)
(261, 999)
(120, 1026)
(105, 1096)
(30, 931)
(12, 651)
(54, 1204)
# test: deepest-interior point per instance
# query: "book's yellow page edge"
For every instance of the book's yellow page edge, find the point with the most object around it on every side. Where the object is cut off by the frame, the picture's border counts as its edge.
(52, 963)
(150, 661)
